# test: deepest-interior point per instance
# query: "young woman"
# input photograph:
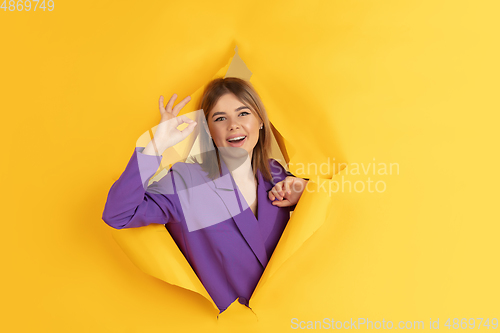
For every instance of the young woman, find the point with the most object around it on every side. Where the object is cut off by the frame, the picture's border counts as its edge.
(227, 211)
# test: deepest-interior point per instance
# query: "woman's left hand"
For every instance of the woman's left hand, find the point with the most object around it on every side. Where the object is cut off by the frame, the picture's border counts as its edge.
(287, 192)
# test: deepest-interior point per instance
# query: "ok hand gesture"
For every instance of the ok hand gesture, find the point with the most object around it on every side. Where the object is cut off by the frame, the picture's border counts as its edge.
(167, 134)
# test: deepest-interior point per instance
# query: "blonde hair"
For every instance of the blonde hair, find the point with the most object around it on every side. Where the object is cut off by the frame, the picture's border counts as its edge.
(245, 92)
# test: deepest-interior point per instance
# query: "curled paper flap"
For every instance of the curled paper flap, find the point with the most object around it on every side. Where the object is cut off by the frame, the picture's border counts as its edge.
(309, 215)
(152, 248)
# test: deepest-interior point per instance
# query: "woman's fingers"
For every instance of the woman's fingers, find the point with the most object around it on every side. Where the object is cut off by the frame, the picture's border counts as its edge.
(284, 189)
(279, 189)
(162, 109)
(191, 125)
(288, 181)
(185, 132)
(276, 193)
(184, 119)
(283, 203)
(170, 103)
(170, 108)
(181, 104)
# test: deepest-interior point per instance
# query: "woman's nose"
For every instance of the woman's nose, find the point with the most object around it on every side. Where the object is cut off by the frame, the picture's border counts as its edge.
(234, 124)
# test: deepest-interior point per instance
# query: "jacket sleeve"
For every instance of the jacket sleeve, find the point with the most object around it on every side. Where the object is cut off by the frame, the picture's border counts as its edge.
(131, 203)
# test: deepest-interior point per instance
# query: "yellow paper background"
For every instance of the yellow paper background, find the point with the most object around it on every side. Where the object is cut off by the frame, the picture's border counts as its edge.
(413, 83)
(154, 251)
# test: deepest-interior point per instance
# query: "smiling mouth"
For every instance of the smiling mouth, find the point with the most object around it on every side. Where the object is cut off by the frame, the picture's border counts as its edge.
(237, 143)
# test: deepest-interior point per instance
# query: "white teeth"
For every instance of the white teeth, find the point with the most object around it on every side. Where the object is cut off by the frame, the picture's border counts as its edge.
(238, 138)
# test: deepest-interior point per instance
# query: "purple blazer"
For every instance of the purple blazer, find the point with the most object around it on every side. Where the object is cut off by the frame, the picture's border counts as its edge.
(227, 247)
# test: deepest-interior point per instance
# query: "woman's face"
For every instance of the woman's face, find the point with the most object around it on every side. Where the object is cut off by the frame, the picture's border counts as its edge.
(230, 118)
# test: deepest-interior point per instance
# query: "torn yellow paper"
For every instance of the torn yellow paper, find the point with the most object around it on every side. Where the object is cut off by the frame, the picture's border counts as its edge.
(153, 250)
(307, 218)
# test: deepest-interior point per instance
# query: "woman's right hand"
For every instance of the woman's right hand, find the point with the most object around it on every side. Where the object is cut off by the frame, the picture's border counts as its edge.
(167, 134)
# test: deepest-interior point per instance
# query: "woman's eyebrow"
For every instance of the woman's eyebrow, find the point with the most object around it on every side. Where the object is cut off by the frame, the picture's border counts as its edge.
(238, 109)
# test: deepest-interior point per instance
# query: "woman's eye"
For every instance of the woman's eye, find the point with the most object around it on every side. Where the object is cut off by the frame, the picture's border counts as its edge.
(243, 113)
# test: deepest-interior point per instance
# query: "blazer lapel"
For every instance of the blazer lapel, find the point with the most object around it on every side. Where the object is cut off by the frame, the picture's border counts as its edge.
(266, 211)
(228, 191)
